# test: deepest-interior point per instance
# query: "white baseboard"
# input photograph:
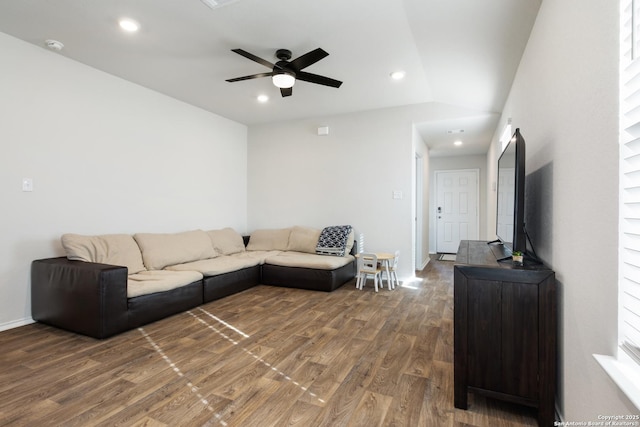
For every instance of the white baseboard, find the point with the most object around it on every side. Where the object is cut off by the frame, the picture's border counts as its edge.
(426, 262)
(16, 323)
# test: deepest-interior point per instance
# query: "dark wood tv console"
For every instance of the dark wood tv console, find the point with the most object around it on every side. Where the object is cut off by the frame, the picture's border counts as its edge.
(504, 329)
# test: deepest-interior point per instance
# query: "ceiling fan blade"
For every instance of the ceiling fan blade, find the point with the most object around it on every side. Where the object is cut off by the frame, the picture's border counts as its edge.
(253, 76)
(252, 57)
(307, 59)
(314, 78)
(286, 91)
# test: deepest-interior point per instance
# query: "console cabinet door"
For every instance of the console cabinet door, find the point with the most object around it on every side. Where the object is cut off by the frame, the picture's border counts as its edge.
(503, 337)
(484, 339)
(520, 339)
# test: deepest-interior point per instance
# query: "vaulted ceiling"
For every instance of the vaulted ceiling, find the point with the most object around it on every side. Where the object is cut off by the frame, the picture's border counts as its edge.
(461, 53)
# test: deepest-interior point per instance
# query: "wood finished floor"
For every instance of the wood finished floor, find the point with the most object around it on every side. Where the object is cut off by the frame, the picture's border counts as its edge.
(266, 357)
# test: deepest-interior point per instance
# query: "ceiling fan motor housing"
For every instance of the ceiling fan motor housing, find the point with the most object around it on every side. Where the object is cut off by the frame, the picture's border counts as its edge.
(283, 66)
(283, 54)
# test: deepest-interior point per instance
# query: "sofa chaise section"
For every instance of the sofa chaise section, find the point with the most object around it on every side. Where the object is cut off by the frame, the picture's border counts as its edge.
(293, 261)
(307, 278)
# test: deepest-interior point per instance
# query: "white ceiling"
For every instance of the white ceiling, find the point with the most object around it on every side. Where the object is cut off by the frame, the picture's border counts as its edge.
(461, 53)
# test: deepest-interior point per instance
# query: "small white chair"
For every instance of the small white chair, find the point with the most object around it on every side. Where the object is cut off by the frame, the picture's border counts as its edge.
(368, 265)
(393, 270)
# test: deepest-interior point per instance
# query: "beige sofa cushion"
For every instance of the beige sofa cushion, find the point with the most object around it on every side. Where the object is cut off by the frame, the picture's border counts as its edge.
(226, 241)
(304, 260)
(269, 240)
(303, 239)
(259, 256)
(114, 249)
(220, 265)
(151, 282)
(160, 250)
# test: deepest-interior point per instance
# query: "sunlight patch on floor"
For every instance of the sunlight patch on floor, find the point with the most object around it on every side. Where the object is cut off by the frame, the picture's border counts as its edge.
(412, 283)
(223, 322)
(255, 356)
(180, 374)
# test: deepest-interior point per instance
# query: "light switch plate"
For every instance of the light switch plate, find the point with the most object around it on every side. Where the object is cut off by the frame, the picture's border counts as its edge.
(27, 184)
(397, 194)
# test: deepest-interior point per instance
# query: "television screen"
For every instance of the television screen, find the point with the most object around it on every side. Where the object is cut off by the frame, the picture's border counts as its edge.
(510, 197)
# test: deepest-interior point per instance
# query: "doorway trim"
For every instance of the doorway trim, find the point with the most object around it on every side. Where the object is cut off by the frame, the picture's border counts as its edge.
(418, 213)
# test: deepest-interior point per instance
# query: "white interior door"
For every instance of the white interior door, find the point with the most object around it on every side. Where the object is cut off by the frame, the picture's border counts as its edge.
(457, 208)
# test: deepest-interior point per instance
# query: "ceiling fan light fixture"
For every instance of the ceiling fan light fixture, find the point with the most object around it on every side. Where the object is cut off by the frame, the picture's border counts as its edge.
(283, 80)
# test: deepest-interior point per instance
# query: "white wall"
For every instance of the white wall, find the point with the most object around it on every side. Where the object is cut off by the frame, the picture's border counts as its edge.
(438, 164)
(299, 178)
(105, 156)
(564, 100)
(347, 177)
(494, 153)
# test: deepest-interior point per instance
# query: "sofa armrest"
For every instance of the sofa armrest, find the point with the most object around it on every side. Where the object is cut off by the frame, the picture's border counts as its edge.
(83, 297)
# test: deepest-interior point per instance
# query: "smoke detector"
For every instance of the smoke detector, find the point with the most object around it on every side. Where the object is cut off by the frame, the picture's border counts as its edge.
(54, 45)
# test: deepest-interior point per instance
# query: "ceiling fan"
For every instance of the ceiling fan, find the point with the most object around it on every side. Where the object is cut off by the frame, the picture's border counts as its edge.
(284, 72)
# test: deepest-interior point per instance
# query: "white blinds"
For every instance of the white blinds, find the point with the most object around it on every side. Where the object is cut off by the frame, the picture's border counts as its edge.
(629, 268)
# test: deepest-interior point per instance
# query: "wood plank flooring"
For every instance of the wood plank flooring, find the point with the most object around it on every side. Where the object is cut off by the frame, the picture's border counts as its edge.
(268, 356)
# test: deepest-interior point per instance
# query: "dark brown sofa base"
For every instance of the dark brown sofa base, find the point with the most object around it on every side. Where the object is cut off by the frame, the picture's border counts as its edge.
(91, 299)
(149, 308)
(83, 297)
(307, 278)
(220, 286)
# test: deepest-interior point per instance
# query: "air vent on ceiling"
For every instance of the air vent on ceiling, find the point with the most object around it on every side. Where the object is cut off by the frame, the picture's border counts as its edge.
(214, 4)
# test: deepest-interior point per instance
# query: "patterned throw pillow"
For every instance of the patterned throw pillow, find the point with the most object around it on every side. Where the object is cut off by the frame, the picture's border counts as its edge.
(333, 240)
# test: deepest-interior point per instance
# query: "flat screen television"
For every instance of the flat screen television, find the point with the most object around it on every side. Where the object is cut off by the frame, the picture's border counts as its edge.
(510, 188)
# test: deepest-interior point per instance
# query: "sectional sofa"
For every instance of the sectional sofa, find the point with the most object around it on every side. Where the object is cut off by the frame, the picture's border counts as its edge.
(112, 283)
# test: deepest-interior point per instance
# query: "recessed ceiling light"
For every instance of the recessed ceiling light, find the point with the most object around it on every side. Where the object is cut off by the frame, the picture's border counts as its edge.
(214, 4)
(398, 75)
(210, 3)
(262, 98)
(129, 25)
(457, 143)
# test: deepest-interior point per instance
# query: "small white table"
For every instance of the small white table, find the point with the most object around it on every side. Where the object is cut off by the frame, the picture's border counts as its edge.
(385, 259)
